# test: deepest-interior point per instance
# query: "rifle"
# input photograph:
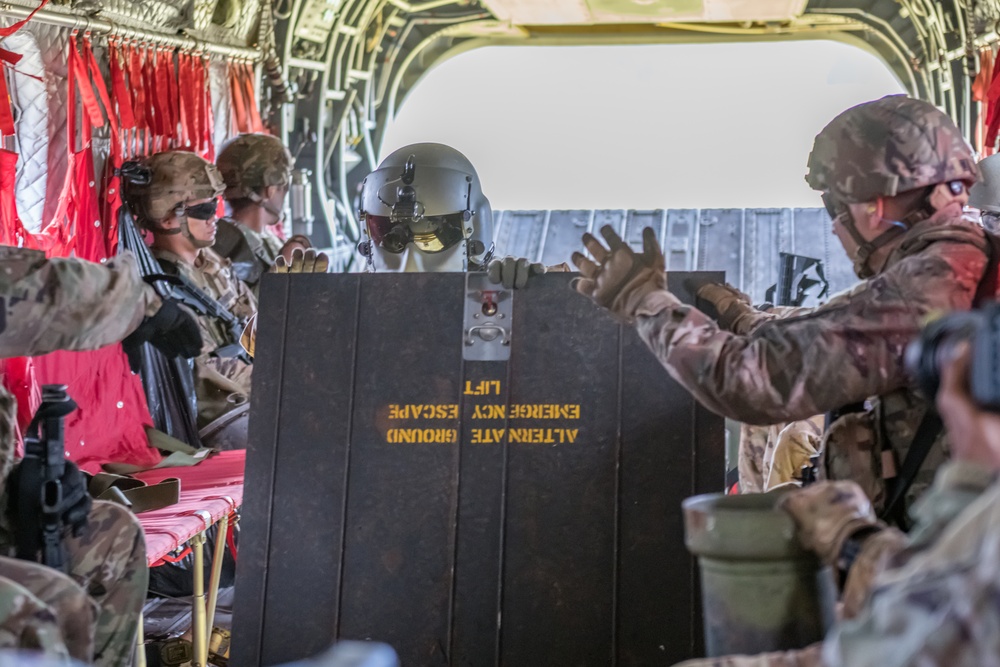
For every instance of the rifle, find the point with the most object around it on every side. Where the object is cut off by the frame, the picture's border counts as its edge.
(39, 496)
(178, 288)
(797, 274)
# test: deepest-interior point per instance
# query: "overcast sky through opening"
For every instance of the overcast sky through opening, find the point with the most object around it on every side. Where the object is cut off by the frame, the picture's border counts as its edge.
(640, 127)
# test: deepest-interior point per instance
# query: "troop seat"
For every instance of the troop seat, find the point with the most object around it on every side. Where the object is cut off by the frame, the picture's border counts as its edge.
(209, 492)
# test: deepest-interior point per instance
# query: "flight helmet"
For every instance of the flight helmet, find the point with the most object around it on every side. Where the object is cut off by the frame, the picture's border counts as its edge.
(424, 204)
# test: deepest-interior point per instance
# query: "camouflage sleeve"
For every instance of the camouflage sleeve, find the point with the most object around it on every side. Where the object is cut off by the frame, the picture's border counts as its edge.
(937, 608)
(754, 318)
(807, 657)
(796, 367)
(246, 306)
(68, 304)
(956, 486)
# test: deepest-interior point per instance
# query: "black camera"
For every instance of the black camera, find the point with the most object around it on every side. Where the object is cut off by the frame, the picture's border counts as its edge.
(936, 343)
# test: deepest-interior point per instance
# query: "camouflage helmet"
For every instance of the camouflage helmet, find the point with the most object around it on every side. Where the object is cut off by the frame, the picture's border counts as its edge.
(174, 178)
(887, 147)
(251, 162)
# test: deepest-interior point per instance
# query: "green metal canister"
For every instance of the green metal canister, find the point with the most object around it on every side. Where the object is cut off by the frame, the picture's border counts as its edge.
(761, 591)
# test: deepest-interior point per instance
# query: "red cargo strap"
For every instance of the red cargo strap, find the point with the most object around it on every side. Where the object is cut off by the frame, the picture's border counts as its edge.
(12, 231)
(251, 99)
(993, 110)
(123, 101)
(207, 116)
(6, 114)
(11, 29)
(138, 91)
(167, 558)
(236, 92)
(197, 101)
(231, 536)
(101, 88)
(173, 99)
(90, 105)
(156, 126)
(76, 224)
(190, 93)
(163, 99)
(110, 200)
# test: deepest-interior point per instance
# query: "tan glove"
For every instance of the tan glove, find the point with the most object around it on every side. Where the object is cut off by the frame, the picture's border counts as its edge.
(620, 279)
(731, 304)
(513, 272)
(826, 514)
(249, 338)
(309, 261)
(794, 446)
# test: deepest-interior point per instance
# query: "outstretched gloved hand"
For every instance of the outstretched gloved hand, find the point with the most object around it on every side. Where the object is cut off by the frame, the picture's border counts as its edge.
(309, 261)
(827, 514)
(173, 330)
(513, 272)
(619, 279)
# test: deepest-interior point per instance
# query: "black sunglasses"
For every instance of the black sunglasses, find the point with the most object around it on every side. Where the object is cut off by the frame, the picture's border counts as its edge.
(204, 211)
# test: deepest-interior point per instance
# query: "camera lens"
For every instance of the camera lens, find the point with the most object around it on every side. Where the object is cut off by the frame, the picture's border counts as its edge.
(935, 346)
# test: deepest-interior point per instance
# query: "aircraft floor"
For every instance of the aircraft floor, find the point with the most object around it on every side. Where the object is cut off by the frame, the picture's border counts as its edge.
(165, 618)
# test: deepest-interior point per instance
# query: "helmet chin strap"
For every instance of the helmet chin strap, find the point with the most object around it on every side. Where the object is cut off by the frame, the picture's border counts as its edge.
(867, 248)
(184, 229)
(197, 243)
(278, 214)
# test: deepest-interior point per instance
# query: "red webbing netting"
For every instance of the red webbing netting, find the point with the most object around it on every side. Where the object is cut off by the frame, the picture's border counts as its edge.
(109, 424)
(158, 100)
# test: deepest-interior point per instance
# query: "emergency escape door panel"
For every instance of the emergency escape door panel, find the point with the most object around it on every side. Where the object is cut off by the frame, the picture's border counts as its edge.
(520, 512)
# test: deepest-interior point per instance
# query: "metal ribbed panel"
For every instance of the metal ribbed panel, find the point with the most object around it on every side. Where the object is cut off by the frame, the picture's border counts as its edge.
(745, 243)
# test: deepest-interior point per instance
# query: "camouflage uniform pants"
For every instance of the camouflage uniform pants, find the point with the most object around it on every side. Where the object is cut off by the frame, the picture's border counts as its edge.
(46, 610)
(108, 561)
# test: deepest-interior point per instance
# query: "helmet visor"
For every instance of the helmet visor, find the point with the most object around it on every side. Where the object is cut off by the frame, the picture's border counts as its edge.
(430, 233)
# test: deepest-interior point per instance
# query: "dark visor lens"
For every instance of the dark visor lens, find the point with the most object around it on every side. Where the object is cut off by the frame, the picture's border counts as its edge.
(432, 233)
(204, 211)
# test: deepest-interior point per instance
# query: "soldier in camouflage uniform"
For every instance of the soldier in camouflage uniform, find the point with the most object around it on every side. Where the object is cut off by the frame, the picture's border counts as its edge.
(895, 175)
(929, 598)
(178, 207)
(257, 169)
(66, 304)
(768, 456)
